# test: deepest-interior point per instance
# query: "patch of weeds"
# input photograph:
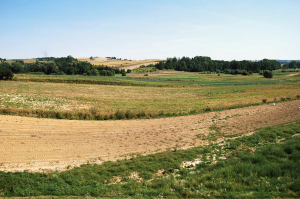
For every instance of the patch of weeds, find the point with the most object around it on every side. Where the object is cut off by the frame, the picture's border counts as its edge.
(207, 109)
(232, 144)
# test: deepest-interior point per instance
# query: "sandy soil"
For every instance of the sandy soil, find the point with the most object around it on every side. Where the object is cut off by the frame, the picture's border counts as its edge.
(38, 144)
(137, 65)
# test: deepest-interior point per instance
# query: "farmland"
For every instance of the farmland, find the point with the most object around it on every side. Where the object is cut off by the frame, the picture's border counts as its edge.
(117, 62)
(156, 124)
(229, 163)
(162, 93)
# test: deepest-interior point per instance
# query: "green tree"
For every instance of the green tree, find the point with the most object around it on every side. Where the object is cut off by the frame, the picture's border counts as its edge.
(6, 74)
(94, 72)
(293, 64)
(16, 67)
(5, 65)
(268, 74)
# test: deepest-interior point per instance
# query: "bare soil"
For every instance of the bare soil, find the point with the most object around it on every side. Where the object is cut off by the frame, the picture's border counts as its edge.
(46, 144)
(137, 65)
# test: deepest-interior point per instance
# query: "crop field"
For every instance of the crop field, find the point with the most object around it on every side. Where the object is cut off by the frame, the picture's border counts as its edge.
(169, 134)
(123, 64)
(166, 93)
(231, 164)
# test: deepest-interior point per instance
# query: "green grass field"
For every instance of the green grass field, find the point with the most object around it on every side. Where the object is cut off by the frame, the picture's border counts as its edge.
(263, 165)
(163, 93)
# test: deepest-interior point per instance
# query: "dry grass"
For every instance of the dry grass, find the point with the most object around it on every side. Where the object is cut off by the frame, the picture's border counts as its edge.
(108, 99)
(117, 63)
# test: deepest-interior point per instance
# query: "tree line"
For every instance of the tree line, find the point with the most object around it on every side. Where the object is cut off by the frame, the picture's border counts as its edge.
(60, 66)
(201, 63)
(293, 64)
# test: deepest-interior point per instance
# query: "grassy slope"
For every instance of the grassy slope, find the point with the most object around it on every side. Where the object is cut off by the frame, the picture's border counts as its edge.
(174, 93)
(265, 164)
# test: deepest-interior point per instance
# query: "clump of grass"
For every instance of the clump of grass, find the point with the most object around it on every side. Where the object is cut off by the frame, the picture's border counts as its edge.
(141, 114)
(120, 115)
(207, 109)
(129, 114)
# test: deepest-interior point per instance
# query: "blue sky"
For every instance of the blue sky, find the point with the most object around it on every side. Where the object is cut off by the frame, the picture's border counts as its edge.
(150, 29)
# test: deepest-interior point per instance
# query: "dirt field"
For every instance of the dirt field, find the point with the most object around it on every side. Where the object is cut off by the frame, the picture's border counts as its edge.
(37, 144)
(137, 65)
(123, 64)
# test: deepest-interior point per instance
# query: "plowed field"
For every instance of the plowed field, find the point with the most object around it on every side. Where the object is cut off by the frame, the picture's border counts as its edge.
(37, 144)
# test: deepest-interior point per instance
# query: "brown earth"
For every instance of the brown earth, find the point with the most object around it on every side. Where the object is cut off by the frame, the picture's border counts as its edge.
(38, 144)
(123, 64)
(137, 65)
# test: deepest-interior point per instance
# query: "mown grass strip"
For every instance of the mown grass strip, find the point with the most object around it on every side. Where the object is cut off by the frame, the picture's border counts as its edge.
(85, 81)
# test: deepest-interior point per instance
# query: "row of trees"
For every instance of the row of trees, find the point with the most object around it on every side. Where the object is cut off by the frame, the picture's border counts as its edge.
(293, 64)
(200, 64)
(64, 65)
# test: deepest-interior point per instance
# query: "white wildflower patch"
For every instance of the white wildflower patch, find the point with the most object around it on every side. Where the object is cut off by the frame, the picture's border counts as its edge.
(32, 102)
(191, 163)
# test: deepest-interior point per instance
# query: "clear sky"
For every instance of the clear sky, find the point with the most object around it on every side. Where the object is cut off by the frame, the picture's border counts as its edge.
(150, 29)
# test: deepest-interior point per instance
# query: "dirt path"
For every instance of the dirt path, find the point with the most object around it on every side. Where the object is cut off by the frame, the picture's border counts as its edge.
(290, 75)
(137, 65)
(36, 144)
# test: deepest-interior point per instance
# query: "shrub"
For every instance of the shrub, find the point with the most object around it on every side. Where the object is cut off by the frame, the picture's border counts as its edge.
(128, 70)
(245, 73)
(124, 74)
(60, 73)
(264, 100)
(146, 74)
(268, 74)
(6, 74)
